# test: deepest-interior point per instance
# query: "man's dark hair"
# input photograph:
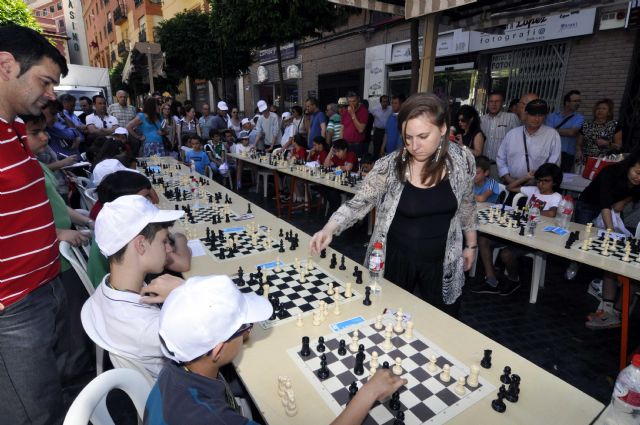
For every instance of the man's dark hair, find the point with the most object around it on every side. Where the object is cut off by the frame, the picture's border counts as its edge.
(496, 93)
(549, 169)
(384, 96)
(121, 183)
(312, 100)
(351, 93)
(483, 163)
(297, 108)
(401, 97)
(98, 96)
(567, 97)
(149, 233)
(213, 132)
(88, 99)
(28, 47)
(340, 145)
(66, 97)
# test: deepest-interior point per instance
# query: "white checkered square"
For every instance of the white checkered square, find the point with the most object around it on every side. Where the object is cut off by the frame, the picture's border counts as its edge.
(434, 403)
(380, 414)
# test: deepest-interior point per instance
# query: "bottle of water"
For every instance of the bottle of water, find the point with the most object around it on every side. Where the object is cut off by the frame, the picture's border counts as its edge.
(532, 222)
(624, 408)
(565, 211)
(376, 267)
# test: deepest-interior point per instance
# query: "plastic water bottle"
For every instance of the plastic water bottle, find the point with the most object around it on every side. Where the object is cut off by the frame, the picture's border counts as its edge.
(624, 408)
(376, 267)
(565, 211)
(532, 222)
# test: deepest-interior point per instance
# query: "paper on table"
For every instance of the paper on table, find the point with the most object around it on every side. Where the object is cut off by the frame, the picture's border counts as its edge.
(78, 164)
(197, 250)
(568, 177)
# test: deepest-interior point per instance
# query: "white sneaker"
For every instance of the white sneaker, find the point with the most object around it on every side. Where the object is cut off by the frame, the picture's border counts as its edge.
(595, 289)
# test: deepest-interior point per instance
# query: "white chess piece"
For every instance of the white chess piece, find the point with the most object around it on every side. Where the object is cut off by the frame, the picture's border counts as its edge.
(432, 366)
(445, 376)
(291, 409)
(347, 292)
(585, 245)
(372, 370)
(398, 328)
(299, 322)
(281, 380)
(316, 318)
(472, 379)
(265, 288)
(409, 330)
(378, 325)
(353, 347)
(330, 291)
(374, 359)
(336, 308)
(459, 388)
(387, 345)
(277, 269)
(397, 368)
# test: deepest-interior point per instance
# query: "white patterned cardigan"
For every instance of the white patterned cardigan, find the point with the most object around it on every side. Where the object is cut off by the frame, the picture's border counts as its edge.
(382, 189)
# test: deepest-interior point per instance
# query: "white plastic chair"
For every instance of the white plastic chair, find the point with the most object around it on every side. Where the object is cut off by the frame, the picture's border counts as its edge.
(91, 403)
(121, 362)
(91, 196)
(264, 175)
(76, 259)
(83, 183)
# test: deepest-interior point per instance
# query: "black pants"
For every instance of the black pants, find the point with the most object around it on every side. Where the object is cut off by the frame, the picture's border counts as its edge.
(378, 137)
(566, 162)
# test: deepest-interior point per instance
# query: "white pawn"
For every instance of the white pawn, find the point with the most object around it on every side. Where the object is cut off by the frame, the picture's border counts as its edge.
(336, 308)
(347, 292)
(397, 368)
(459, 388)
(277, 269)
(330, 291)
(265, 288)
(472, 379)
(387, 345)
(445, 376)
(353, 347)
(374, 359)
(299, 322)
(281, 380)
(432, 366)
(372, 370)
(325, 310)
(378, 324)
(316, 318)
(398, 328)
(291, 409)
(585, 245)
(409, 333)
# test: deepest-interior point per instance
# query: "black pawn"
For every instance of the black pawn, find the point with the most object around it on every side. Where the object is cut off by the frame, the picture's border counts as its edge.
(221, 255)
(323, 372)
(281, 249)
(281, 234)
(394, 403)
(320, 347)
(260, 290)
(521, 233)
(355, 271)
(358, 369)
(334, 261)
(385, 365)
(367, 296)
(323, 253)
(249, 208)
(240, 272)
(342, 348)
(227, 220)
(399, 420)
(506, 378)
(342, 266)
(353, 389)
(359, 277)
(486, 360)
(498, 404)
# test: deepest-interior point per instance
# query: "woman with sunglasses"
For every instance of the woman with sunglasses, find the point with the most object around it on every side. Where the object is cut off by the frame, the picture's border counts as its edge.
(235, 123)
(470, 134)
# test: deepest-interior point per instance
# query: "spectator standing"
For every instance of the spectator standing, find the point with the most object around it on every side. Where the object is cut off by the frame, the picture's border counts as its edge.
(222, 117)
(470, 135)
(317, 121)
(188, 126)
(392, 139)
(33, 302)
(267, 128)
(334, 127)
(527, 147)
(123, 112)
(495, 124)
(296, 112)
(354, 122)
(381, 114)
(235, 123)
(568, 122)
(149, 123)
(100, 123)
(86, 104)
(367, 130)
(168, 125)
(600, 135)
(522, 104)
(207, 120)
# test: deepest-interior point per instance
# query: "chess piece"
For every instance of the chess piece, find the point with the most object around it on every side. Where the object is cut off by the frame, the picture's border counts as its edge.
(342, 266)
(277, 269)
(347, 292)
(394, 403)
(372, 371)
(506, 376)
(513, 392)
(249, 208)
(358, 369)
(409, 330)
(432, 366)
(342, 347)
(330, 291)
(290, 407)
(336, 308)
(353, 389)
(486, 360)
(299, 322)
(320, 347)
(374, 359)
(265, 290)
(367, 296)
(459, 388)
(281, 248)
(385, 365)
(305, 351)
(399, 420)
(378, 325)
(387, 345)
(397, 368)
(334, 261)
(398, 328)
(353, 347)
(472, 379)
(498, 404)
(323, 372)
(316, 318)
(445, 375)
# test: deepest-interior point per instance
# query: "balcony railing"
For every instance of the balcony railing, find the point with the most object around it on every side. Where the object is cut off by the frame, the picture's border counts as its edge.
(138, 2)
(142, 36)
(119, 16)
(122, 48)
(113, 57)
(109, 27)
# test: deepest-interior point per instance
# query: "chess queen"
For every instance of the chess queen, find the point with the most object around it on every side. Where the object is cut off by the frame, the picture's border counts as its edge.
(423, 195)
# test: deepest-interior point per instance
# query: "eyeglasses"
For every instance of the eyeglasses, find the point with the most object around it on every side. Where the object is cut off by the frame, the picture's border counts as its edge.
(243, 329)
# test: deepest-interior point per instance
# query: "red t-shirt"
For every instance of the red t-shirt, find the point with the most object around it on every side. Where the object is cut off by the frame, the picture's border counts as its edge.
(349, 131)
(299, 152)
(29, 255)
(349, 158)
(318, 156)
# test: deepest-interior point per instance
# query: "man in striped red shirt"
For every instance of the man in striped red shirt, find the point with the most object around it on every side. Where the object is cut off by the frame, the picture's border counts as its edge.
(32, 298)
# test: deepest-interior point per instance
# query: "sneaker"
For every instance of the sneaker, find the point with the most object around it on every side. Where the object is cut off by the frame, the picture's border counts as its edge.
(605, 320)
(596, 315)
(509, 287)
(485, 288)
(595, 288)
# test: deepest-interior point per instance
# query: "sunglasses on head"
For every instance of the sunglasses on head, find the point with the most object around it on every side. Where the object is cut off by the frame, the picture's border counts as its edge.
(243, 329)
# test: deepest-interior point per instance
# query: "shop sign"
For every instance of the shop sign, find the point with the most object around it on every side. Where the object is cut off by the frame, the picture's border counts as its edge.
(74, 25)
(536, 29)
(500, 61)
(287, 51)
(449, 43)
(263, 74)
(293, 72)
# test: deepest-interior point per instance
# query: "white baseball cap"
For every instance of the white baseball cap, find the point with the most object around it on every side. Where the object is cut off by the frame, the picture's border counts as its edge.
(106, 167)
(123, 219)
(286, 115)
(121, 130)
(204, 312)
(262, 106)
(222, 105)
(245, 121)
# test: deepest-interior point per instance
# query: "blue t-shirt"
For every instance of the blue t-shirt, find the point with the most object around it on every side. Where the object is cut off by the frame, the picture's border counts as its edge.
(568, 143)
(314, 130)
(394, 140)
(489, 183)
(200, 159)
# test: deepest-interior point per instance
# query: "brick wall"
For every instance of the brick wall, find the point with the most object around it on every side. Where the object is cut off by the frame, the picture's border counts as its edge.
(598, 67)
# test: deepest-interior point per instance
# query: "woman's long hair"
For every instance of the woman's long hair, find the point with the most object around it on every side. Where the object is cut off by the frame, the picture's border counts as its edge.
(150, 109)
(435, 110)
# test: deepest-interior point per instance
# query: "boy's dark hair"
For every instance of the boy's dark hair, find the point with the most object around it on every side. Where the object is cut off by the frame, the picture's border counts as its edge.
(35, 119)
(110, 149)
(28, 47)
(297, 108)
(340, 145)
(196, 137)
(550, 169)
(121, 183)
(213, 132)
(149, 233)
(185, 138)
(483, 162)
(300, 140)
(227, 131)
(321, 141)
(367, 158)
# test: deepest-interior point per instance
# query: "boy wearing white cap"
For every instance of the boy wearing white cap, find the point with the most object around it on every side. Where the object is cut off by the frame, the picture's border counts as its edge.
(121, 316)
(202, 327)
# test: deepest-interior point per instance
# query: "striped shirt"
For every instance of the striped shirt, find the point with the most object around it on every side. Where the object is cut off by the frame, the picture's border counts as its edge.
(495, 128)
(29, 254)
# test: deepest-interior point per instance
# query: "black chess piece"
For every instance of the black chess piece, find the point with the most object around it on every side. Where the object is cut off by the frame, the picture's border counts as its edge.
(394, 403)
(320, 347)
(514, 389)
(241, 282)
(221, 255)
(498, 404)
(355, 271)
(358, 369)
(385, 365)
(359, 277)
(259, 274)
(521, 232)
(227, 220)
(506, 378)
(367, 296)
(342, 266)
(399, 420)
(342, 347)
(353, 389)
(486, 360)
(251, 279)
(281, 249)
(240, 272)
(323, 372)
(323, 253)
(334, 261)
(281, 234)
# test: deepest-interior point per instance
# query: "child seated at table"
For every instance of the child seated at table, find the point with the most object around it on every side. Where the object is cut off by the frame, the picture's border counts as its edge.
(366, 164)
(197, 156)
(485, 188)
(239, 148)
(319, 151)
(548, 180)
(339, 156)
(299, 151)
(216, 151)
(203, 325)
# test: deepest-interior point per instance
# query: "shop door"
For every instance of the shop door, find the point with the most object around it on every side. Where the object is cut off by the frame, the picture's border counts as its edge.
(331, 87)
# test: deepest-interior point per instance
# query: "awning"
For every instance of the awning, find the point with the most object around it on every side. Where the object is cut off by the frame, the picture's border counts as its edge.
(411, 8)
(126, 70)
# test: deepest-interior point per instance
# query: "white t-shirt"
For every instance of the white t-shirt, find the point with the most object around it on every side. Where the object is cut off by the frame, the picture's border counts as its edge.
(239, 148)
(118, 322)
(548, 201)
(108, 121)
(289, 132)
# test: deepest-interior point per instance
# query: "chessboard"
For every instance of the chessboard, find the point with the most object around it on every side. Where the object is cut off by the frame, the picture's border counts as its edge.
(502, 219)
(237, 242)
(615, 247)
(205, 215)
(426, 399)
(291, 295)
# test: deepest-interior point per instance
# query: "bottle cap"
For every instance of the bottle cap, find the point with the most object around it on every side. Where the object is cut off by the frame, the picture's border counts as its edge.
(377, 245)
(635, 360)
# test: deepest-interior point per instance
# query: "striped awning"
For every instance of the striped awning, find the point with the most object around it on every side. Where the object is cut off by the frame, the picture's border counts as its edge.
(378, 6)
(411, 9)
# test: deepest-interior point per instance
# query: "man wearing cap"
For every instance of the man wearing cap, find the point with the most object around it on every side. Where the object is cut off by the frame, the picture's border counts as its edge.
(220, 121)
(317, 121)
(354, 123)
(289, 130)
(267, 128)
(247, 125)
(122, 316)
(206, 121)
(527, 147)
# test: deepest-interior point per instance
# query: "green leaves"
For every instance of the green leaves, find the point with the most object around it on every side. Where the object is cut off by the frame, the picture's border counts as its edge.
(17, 12)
